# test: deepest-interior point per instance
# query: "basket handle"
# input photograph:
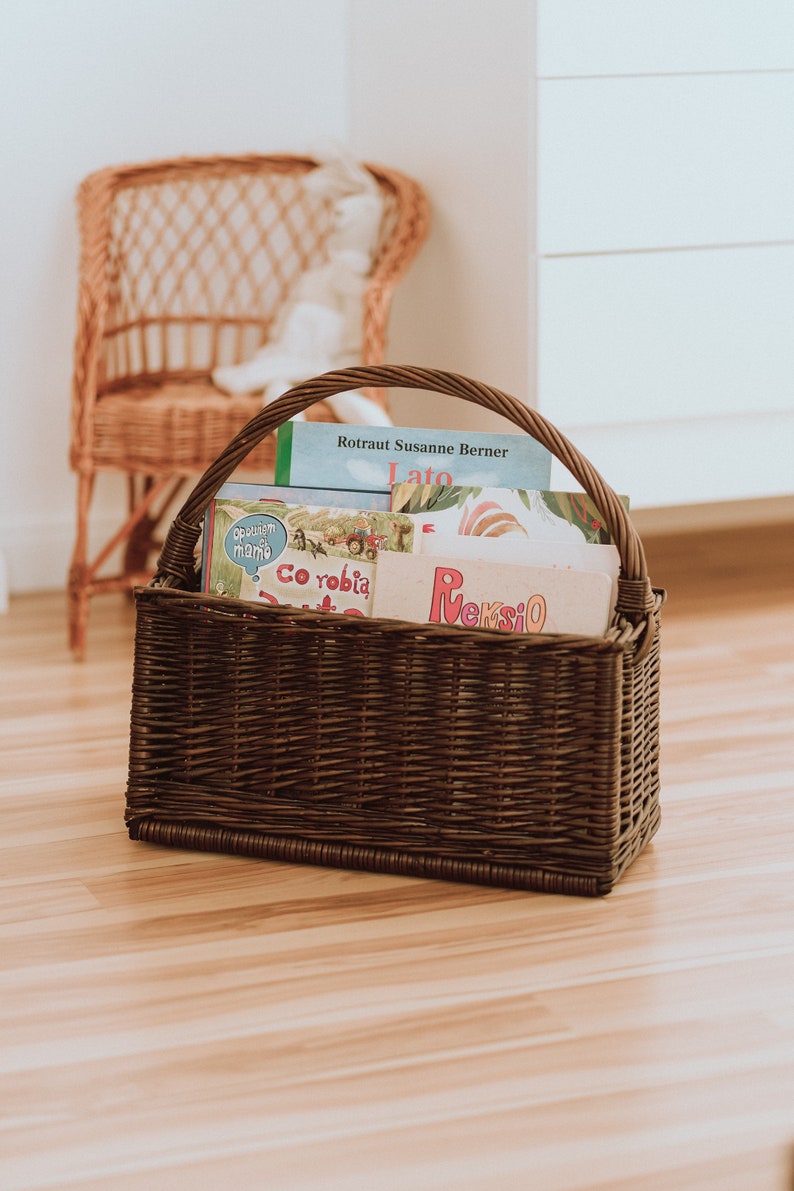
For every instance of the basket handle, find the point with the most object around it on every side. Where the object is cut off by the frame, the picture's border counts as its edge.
(636, 598)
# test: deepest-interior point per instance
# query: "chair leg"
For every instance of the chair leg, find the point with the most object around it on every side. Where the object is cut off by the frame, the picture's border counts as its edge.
(140, 542)
(79, 580)
(134, 538)
(143, 540)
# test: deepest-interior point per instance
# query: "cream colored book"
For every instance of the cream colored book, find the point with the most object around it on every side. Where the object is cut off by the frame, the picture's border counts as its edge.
(476, 594)
(515, 551)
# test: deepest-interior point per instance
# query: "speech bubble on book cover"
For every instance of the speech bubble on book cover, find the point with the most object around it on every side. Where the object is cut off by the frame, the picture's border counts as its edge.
(255, 541)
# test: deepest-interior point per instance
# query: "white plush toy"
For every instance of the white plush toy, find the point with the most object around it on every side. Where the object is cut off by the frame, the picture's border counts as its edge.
(320, 328)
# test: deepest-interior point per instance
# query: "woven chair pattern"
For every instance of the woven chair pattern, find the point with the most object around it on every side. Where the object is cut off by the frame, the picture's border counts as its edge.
(184, 267)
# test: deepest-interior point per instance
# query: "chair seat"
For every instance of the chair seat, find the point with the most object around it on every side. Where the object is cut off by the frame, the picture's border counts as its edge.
(178, 428)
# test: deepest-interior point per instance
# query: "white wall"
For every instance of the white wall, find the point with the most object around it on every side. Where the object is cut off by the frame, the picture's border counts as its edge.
(85, 83)
(442, 88)
(437, 87)
(622, 179)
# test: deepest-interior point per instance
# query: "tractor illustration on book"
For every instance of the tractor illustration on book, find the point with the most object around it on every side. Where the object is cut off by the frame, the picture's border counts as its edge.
(361, 541)
(368, 545)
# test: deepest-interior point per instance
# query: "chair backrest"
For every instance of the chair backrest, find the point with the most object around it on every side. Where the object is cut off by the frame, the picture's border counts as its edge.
(186, 263)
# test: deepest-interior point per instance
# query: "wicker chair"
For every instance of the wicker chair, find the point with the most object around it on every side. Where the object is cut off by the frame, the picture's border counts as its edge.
(184, 267)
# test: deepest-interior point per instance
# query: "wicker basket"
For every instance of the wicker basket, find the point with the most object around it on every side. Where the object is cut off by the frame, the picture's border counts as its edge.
(527, 761)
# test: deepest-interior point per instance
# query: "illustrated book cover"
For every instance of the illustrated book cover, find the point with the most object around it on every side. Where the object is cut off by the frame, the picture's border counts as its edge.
(321, 558)
(499, 511)
(374, 458)
(287, 495)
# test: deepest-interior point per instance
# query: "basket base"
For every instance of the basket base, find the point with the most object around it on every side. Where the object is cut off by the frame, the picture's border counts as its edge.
(205, 838)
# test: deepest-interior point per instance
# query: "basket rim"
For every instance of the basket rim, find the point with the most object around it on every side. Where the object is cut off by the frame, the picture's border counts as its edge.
(618, 637)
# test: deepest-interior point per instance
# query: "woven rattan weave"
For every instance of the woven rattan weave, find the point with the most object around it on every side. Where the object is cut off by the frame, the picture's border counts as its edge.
(184, 267)
(526, 761)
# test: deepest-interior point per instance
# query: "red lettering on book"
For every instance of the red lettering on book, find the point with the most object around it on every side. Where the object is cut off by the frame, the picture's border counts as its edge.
(446, 605)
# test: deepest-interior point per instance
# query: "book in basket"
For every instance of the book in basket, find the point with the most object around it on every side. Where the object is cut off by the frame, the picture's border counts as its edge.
(313, 495)
(322, 558)
(561, 530)
(476, 594)
(488, 510)
(377, 457)
(270, 493)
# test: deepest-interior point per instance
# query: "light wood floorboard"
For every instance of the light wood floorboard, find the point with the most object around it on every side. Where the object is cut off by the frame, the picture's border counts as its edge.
(174, 1020)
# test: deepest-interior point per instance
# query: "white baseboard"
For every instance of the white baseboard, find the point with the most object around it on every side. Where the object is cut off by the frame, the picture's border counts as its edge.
(4, 589)
(38, 553)
(38, 547)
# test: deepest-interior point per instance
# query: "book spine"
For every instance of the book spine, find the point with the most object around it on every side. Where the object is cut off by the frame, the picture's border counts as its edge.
(283, 454)
(206, 547)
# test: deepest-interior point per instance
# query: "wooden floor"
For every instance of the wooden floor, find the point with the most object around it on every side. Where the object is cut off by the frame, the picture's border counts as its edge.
(173, 1020)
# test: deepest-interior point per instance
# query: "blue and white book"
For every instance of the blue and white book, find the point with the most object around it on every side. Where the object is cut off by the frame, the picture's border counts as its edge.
(374, 458)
